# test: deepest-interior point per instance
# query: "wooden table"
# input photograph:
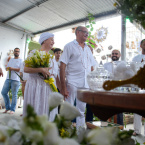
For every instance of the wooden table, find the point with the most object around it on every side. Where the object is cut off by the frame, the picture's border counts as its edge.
(105, 104)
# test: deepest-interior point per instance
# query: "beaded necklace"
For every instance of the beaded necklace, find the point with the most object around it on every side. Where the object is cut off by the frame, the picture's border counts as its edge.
(82, 59)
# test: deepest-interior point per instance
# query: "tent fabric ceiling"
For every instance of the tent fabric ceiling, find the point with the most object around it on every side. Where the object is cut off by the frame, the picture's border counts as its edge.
(37, 16)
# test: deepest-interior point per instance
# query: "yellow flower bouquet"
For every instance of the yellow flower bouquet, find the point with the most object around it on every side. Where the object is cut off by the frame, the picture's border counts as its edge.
(40, 59)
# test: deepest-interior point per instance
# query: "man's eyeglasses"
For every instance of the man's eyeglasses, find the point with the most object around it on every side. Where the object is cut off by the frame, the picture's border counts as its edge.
(16, 51)
(85, 32)
(114, 53)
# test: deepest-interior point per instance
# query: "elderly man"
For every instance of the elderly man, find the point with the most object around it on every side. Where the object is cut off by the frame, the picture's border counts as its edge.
(115, 55)
(76, 62)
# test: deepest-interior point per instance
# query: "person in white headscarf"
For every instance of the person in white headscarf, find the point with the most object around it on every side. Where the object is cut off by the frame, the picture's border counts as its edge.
(36, 90)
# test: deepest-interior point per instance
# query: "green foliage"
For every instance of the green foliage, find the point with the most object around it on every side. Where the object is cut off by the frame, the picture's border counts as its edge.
(133, 9)
(137, 143)
(31, 119)
(33, 45)
(95, 118)
(19, 76)
(90, 40)
(19, 94)
(125, 134)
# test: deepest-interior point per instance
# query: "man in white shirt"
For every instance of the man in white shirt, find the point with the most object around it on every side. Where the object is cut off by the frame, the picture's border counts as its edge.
(140, 57)
(115, 56)
(12, 82)
(57, 54)
(138, 118)
(76, 62)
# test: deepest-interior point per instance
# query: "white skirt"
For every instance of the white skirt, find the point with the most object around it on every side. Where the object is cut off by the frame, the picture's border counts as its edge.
(37, 95)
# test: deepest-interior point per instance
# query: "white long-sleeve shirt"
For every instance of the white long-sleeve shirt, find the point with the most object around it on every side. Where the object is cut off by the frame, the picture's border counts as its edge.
(109, 66)
(138, 58)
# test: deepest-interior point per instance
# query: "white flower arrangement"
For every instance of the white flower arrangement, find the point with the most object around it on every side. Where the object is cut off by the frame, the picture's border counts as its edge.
(37, 130)
(55, 99)
(68, 111)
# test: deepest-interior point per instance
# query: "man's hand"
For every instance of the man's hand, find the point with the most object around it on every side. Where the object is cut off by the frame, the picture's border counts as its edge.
(1, 72)
(23, 82)
(64, 92)
(9, 69)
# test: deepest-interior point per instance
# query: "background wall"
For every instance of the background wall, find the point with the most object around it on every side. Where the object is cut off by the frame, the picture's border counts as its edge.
(10, 39)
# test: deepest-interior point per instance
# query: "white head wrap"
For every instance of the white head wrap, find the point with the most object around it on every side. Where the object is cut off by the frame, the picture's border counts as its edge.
(45, 36)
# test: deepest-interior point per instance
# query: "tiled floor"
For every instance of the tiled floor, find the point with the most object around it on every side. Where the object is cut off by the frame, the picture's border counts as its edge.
(6, 117)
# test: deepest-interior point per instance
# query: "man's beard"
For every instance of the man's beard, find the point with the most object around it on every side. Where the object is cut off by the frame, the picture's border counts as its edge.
(16, 55)
(115, 58)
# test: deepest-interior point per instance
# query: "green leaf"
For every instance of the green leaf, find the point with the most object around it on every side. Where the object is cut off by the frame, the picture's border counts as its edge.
(92, 29)
(92, 18)
(137, 143)
(87, 40)
(93, 22)
(92, 46)
(88, 26)
(92, 41)
(19, 77)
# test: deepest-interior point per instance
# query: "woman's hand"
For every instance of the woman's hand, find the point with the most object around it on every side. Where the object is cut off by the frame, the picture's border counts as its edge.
(45, 72)
(23, 82)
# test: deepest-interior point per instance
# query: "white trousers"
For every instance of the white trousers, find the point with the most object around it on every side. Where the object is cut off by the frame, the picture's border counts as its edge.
(138, 123)
(80, 121)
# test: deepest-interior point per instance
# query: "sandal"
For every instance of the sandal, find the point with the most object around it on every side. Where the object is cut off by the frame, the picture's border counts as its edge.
(12, 112)
(135, 134)
(5, 111)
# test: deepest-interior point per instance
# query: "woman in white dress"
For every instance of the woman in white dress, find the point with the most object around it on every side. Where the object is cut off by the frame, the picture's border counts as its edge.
(36, 90)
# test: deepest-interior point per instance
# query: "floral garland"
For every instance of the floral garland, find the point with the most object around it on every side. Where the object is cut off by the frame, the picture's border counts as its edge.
(133, 9)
